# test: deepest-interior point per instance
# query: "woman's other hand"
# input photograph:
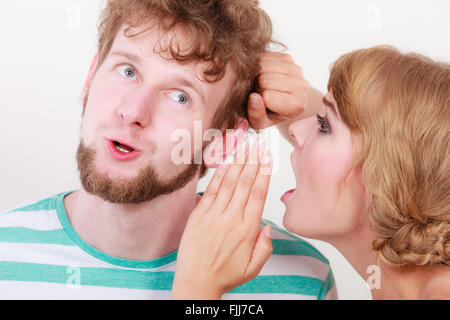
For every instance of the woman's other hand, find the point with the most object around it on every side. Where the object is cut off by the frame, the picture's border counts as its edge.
(284, 95)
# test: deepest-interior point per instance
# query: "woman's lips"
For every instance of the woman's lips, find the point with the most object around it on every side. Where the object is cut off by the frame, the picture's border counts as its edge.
(287, 194)
(111, 146)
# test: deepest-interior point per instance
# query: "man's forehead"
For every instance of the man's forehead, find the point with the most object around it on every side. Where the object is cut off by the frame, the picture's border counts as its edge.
(148, 40)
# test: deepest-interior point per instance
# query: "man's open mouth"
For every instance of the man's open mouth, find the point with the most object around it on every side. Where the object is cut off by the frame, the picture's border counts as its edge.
(120, 151)
(122, 147)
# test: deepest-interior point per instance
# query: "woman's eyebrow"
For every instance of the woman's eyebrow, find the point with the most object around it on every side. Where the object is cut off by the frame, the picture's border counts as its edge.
(331, 105)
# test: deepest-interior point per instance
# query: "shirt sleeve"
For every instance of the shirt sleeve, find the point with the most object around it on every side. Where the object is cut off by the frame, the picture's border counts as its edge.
(328, 290)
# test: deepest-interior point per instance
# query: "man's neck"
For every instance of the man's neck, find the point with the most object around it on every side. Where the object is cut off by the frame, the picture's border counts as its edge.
(139, 232)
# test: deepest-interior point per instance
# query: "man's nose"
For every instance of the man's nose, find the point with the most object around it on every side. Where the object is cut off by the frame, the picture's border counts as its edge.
(136, 107)
(299, 130)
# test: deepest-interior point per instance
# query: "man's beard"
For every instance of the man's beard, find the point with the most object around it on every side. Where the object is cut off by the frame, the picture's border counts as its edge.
(144, 187)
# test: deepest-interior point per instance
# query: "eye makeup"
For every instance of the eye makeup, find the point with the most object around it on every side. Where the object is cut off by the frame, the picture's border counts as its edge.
(324, 125)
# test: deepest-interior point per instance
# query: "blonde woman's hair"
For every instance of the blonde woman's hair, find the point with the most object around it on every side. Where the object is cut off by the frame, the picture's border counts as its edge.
(399, 106)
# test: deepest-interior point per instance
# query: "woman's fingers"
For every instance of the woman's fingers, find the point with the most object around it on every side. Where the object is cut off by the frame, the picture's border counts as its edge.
(285, 105)
(258, 193)
(277, 56)
(210, 194)
(229, 181)
(246, 179)
(257, 112)
(261, 252)
(283, 90)
(280, 82)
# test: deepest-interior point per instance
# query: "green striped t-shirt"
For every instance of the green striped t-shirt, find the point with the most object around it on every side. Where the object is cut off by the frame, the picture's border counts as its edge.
(42, 257)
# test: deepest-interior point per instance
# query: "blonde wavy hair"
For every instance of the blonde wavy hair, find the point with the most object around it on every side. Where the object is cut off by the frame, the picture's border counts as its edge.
(399, 105)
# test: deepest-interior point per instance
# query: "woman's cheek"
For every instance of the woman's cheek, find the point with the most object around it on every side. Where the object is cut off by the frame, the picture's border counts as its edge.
(354, 201)
(326, 174)
(325, 170)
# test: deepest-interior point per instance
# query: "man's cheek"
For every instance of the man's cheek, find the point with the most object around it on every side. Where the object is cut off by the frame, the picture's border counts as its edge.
(172, 144)
(87, 132)
(103, 94)
(103, 102)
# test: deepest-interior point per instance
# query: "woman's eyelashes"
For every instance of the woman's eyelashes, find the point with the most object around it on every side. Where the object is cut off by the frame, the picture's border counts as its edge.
(127, 71)
(324, 125)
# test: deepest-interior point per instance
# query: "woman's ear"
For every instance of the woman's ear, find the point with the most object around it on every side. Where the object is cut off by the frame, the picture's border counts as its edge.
(225, 144)
(87, 82)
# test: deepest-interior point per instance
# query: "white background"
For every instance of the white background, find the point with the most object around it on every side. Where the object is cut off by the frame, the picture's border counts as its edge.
(46, 47)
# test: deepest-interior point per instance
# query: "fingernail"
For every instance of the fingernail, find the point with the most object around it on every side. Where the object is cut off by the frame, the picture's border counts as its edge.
(252, 100)
(241, 127)
(261, 144)
(243, 124)
(266, 159)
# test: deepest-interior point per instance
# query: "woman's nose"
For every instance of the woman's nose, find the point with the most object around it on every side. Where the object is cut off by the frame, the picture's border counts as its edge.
(299, 130)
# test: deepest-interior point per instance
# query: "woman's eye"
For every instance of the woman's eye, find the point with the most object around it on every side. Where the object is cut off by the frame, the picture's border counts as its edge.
(179, 96)
(324, 125)
(127, 71)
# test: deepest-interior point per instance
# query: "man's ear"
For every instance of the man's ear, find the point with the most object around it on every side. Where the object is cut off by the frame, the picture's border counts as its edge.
(221, 147)
(87, 82)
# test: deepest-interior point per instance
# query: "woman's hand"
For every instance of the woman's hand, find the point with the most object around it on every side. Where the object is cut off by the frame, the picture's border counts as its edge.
(222, 246)
(285, 95)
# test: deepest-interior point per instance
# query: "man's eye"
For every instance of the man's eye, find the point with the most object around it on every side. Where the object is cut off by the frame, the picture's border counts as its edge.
(179, 97)
(127, 71)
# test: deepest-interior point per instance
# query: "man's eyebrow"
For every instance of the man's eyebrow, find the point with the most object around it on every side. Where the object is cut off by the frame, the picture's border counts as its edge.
(128, 55)
(331, 105)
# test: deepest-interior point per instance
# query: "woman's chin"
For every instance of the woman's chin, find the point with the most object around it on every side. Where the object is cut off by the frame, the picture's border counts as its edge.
(295, 223)
(288, 220)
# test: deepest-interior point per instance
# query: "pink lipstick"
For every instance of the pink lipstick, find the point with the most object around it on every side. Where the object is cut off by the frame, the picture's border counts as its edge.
(287, 194)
